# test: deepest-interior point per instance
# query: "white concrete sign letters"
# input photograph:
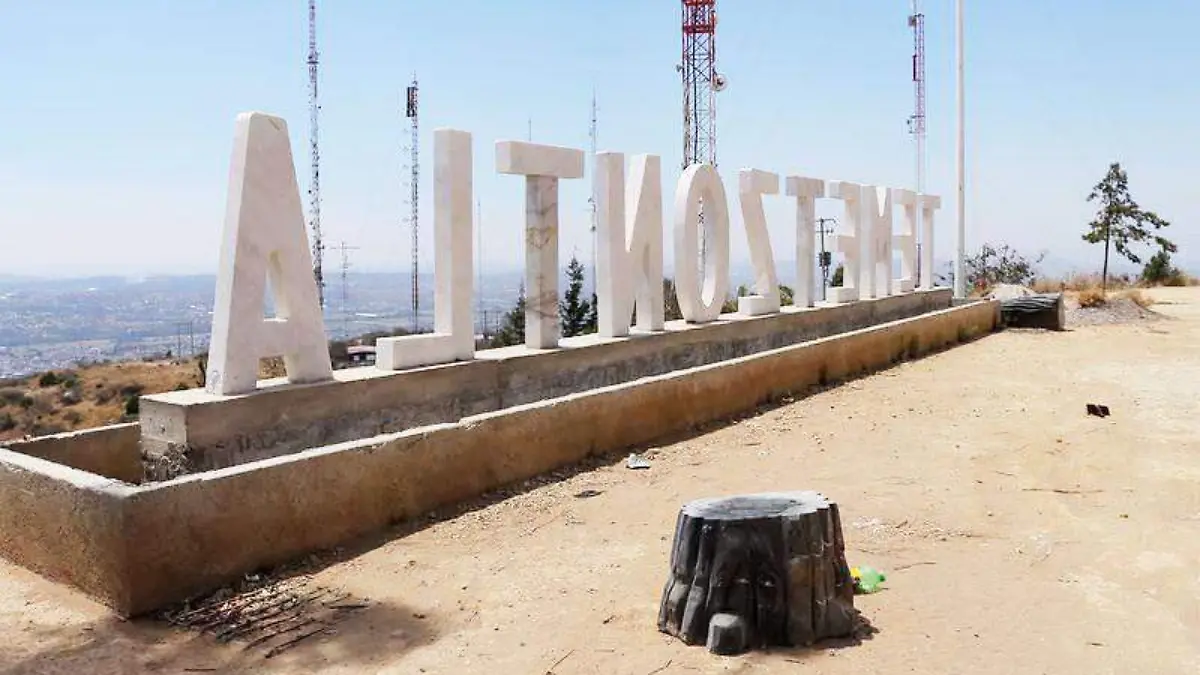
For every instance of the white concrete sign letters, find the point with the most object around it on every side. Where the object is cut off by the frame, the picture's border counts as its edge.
(847, 240)
(806, 191)
(630, 243)
(542, 166)
(928, 204)
(264, 246)
(701, 305)
(877, 263)
(453, 338)
(752, 185)
(905, 241)
(264, 237)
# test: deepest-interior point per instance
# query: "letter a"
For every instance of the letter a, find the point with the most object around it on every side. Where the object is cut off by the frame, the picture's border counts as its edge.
(264, 237)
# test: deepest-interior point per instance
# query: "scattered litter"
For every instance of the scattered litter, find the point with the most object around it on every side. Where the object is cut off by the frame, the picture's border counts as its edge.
(636, 461)
(867, 579)
(587, 494)
(1097, 410)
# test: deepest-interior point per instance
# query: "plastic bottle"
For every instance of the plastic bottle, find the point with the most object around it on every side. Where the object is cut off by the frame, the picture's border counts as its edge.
(867, 579)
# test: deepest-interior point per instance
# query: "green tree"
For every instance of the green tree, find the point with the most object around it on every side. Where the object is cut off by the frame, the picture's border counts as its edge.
(1159, 270)
(574, 312)
(1120, 222)
(838, 277)
(512, 326)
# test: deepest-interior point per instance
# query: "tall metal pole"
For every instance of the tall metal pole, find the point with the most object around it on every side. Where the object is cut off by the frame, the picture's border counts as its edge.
(960, 275)
(412, 105)
(314, 189)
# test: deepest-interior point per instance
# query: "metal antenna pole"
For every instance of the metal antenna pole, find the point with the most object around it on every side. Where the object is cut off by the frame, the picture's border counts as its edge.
(479, 268)
(414, 222)
(701, 82)
(314, 189)
(916, 123)
(825, 258)
(594, 134)
(960, 254)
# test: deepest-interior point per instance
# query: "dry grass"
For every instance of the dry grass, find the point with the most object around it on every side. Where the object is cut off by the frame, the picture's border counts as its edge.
(1091, 297)
(1138, 297)
(1048, 286)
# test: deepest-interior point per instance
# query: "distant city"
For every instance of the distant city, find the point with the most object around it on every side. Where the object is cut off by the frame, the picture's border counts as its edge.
(49, 324)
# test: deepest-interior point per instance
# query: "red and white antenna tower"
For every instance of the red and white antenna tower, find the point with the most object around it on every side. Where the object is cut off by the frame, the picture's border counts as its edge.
(701, 82)
(314, 188)
(916, 123)
(411, 106)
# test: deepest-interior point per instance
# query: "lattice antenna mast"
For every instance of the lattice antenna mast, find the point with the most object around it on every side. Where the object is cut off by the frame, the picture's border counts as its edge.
(345, 250)
(314, 189)
(593, 135)
(414, 181)
(701, 82)
(916, 123)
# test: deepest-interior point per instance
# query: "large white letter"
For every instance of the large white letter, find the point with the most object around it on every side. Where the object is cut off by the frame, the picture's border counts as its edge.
(752, 185)
(630, 249)
(877, 267)
(453, 338)
(928, 204)
(906, 240)
(806, 191)
(264, 236)
(847, 240)
(542, 166)
(700, 181)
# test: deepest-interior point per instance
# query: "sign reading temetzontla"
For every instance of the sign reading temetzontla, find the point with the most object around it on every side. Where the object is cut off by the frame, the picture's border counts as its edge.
(264, 237)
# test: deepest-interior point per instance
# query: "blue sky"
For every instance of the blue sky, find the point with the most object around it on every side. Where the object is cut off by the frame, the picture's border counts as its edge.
(117, 118)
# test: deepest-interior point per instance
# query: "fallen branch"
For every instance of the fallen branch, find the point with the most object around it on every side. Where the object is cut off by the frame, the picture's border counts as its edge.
(660, 668)
(550, 670)
(1062, 491)
(901, 568)
(277, 650)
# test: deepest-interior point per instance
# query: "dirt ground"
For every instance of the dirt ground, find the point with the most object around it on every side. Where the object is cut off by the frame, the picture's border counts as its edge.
(1019, 535)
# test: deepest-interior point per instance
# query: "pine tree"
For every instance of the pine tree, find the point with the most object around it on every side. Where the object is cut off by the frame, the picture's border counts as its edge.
(512, 327)
(574, 312)
(1121, 222)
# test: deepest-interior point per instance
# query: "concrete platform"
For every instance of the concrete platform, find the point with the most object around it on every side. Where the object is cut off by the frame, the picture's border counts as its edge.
(137, 548)
(212, 432)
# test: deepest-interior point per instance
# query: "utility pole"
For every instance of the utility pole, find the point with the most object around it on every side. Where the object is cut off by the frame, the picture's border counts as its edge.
(479, 268)
(346, 287)
(960, 254)
(824, 258)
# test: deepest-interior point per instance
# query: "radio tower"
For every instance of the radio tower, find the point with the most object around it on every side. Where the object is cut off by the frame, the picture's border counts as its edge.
(413, 220)
(314, 188)
(701, 82)
(916, 123)
(593, 135)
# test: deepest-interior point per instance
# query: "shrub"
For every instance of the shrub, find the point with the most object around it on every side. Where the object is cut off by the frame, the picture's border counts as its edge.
(7, 423)
(11, 395)
(49, 379)
(132, 404)
(1139, 298)
(1092, 297)
(72, 417)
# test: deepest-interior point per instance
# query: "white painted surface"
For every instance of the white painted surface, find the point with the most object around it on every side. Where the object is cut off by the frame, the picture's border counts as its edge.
(701, 304)
(264, 236)
(453, 338)
(877, 264)
(806, 191)
(847, 240)
(905, 240)
(629, 243)
(929, 204)
(542, 166)
(752, 185)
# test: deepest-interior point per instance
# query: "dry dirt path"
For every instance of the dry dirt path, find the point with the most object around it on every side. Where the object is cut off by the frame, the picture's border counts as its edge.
(945, 469)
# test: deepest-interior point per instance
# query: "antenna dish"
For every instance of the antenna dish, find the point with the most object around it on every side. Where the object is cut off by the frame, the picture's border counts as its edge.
(719, 82)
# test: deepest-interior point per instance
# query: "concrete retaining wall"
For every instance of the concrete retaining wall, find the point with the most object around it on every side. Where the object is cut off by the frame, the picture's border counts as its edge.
(138, 548)
(67, 525)
(219, 431)
(113, 451)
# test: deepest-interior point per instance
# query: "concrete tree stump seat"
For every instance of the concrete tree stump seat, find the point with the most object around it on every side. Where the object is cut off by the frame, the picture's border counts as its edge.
(758, 570)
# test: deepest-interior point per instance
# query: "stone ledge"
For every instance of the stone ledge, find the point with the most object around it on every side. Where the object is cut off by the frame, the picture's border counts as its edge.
(220, 431)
